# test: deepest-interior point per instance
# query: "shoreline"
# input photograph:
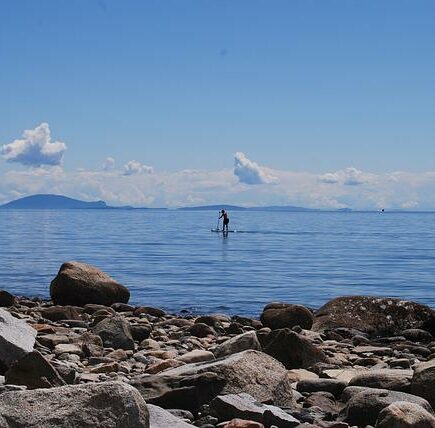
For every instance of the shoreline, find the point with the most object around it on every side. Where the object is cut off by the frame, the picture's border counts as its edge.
(291, 367)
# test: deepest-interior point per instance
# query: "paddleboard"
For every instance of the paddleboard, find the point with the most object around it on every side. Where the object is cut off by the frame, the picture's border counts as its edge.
(222, 231)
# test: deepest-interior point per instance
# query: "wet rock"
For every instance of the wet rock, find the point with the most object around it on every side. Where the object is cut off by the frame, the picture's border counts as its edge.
(115, 333)
(423, 381)
(283, 315)
(160, 418)
(333, 386)
(365, 405)
(238, 343)
(16, 339)
(99, 405)
(33, 371)
(58, 313)
(374, 315)
(123, 307)
(155, 312)
(78, 284)
(405, 415)
(6, 299)
(392, 379)
(293, 350)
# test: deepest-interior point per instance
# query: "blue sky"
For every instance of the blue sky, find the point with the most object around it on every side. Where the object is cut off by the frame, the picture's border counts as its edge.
(299, 87)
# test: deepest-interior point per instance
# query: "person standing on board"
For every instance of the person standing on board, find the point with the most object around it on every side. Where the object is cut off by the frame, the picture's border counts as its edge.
(226, 220)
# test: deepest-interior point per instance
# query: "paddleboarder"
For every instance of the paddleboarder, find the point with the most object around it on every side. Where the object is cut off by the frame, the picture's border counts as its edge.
(226, 220)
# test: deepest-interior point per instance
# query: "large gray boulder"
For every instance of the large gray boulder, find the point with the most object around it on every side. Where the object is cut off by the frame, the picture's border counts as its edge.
(78, 284)
(292, 349)
(423, 381)
(115, 333)
(374, 315)
(364, 407)
(160, 418)
(17, 339)
(99, 405)
(249, 371)
(405, 415)
(239, 343)
(286, 315)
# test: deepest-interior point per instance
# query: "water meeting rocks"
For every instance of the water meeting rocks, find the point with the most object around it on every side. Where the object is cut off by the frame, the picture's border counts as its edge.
(285, 315)
(374, 315)
(16, 339)
(100, 405)
(78, 284)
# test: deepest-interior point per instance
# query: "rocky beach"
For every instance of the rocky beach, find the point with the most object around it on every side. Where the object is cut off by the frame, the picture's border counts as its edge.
(88, 358)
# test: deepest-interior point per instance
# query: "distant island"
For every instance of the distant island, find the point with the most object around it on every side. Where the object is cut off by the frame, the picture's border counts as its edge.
(53, 202)
(60, 202)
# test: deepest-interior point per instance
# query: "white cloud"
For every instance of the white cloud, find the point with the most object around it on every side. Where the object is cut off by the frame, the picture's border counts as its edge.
(347, 177)
(250, 172)
(133, 167)
(108, 164)
(35, 148)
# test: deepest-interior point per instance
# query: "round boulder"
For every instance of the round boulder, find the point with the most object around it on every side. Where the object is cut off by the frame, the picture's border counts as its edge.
(405, 415)
(374, 315)
(285, 315)
(79, 284)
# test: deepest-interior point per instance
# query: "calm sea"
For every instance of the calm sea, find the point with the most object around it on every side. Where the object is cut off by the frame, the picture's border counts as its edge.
(172, 260)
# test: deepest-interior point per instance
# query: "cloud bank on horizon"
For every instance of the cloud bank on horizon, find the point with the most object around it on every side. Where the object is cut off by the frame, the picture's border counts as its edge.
(248, 183)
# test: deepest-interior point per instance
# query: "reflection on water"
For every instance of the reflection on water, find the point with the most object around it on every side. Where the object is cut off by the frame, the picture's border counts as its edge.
(306, 258)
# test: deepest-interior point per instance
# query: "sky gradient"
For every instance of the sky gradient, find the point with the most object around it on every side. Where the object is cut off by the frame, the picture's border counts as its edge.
(325, 100)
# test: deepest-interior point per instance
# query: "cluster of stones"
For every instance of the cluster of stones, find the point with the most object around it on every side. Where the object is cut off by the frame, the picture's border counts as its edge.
(89, 359)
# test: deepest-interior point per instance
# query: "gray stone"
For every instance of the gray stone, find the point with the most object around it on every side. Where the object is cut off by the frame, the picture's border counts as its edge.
(79, 284)
(244, 406)
(333, 386)
(239, 343)
(285, 315)
(99, 405)
(33, 371)
(374, 315)
(196, 356)
(405, 415)
(292, 349)
(392, 379)
(16, 338)
(364, 406)
(249, 371)
(115, 333)
(160, 418)
(423, 381)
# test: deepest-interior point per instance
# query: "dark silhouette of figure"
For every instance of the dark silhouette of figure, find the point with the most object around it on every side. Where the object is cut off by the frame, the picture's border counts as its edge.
(226, 220)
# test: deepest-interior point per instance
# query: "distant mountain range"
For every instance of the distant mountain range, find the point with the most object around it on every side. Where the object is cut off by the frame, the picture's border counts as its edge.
(56, 202)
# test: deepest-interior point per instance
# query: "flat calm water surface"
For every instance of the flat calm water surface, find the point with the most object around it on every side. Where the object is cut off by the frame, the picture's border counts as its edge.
(171, 259)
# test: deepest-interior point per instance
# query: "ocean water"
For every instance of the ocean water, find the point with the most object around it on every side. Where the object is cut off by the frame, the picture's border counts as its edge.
(171, 259)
